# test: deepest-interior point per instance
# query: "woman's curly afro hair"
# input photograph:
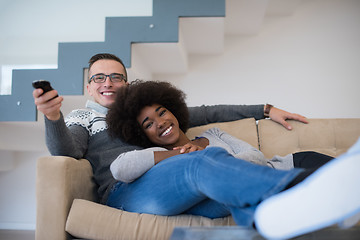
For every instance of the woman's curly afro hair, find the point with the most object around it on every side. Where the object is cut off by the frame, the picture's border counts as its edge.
(130, 100)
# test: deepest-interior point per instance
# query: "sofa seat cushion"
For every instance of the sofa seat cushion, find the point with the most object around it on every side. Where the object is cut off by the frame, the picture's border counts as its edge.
(91, 220)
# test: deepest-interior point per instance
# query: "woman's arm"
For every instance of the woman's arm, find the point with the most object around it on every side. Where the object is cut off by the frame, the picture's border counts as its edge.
(237, 147)
(131, 165)
(162, 155)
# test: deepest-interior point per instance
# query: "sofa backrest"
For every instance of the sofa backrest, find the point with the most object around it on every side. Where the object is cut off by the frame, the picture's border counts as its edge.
(329, 136)
(244, 129)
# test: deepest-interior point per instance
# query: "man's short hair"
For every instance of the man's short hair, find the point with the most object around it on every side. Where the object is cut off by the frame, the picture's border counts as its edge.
(106, 56)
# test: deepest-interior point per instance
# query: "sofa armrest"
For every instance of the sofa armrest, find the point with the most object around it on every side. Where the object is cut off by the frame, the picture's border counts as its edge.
(59, 180)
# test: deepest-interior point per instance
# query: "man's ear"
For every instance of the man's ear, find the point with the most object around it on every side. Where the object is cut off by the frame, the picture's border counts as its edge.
(88, 89)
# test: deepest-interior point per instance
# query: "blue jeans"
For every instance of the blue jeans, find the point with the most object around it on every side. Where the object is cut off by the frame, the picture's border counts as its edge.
(211, 183)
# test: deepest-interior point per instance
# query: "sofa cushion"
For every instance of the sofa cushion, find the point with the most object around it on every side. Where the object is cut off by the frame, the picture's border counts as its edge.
(91, 220)
(329, 136)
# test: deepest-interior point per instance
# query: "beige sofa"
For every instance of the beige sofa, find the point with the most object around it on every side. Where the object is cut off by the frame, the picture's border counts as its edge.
(66, 193)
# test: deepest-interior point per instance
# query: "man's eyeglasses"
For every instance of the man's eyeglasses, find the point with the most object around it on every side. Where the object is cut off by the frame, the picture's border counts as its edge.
(114, 77)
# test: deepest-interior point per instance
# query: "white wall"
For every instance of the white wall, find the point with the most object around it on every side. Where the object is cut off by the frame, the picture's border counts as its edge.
(17, 186)
(307, 63)
(31, 30)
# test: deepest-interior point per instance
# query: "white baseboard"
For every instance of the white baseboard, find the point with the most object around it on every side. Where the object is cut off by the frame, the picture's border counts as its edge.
(17, 226)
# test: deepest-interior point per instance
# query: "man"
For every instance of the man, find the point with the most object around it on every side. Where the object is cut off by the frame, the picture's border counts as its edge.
(83, 134)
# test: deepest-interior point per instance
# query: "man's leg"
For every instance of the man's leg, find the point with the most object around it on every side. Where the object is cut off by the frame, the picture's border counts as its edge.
(310, 159)
(328, 196)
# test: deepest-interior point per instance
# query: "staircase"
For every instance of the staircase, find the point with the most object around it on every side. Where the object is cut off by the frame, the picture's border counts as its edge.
(149, 46)
(177, 30)
(120, 33)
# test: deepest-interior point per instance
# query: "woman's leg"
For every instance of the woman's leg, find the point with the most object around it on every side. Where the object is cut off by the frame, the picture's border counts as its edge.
(179, 183)
(209, 208)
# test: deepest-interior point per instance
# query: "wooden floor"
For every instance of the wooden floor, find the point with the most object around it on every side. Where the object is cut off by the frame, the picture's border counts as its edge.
(17, 235)
(242, 233)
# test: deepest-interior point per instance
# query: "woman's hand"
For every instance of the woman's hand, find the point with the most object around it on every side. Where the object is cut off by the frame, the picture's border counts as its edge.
(188, 148)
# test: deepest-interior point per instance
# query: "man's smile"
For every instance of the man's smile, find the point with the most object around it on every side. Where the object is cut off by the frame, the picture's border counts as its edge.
(107, 93)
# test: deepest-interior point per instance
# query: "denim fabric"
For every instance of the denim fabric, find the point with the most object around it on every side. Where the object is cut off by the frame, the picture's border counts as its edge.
(210, 183)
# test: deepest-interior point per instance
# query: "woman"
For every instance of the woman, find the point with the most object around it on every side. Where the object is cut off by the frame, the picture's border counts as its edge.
(210, 182)
(130, 120)
(206, 181)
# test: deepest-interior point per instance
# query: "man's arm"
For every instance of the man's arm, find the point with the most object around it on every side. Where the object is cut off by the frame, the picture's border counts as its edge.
(280, 116)
(203, 115)
(223, 113)
(59, 139)
(64, 141)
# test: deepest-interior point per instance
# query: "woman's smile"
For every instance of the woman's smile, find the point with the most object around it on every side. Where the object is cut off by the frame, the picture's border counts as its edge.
(167, 131)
